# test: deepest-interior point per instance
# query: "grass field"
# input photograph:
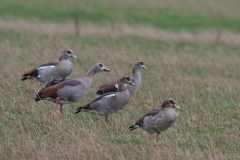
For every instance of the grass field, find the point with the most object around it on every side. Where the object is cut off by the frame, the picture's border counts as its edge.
(192, 15)
(197, 67)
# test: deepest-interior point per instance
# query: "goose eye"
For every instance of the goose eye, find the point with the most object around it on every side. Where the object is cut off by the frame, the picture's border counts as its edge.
(141, 63)
(69, 52)
(171, 101)
(100, 65)
(128, 78)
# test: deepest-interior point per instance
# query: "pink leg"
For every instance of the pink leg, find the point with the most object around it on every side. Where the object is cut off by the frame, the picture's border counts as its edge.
(98, 120)
(150, 138)
(158, 138)
(106, 119)
(57, 106)
(61, 110)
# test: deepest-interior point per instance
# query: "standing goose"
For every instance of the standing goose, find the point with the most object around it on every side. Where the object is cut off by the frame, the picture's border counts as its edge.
(158, 119)
(52, 70)
(109, 103)
(136, 79)
(70, 91)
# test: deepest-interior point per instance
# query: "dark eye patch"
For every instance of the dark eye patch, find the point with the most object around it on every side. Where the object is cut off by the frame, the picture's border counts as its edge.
(128, 78)
(100, 65)
(69, 52)
(171, 101)
(141, 63)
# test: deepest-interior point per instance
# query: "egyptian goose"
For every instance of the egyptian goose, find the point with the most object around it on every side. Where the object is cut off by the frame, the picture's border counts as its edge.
(109, 102)
(136, 79)
(52, 70)
(158, 119)
(71, 90)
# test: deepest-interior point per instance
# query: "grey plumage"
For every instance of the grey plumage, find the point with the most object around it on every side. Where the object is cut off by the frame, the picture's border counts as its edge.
(158, 119)
(70, 90)
(109, 103)
(52, 70)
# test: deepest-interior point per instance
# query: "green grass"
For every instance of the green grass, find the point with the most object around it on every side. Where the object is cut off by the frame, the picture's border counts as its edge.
(167, 18)
(202, 78)
(200, 74)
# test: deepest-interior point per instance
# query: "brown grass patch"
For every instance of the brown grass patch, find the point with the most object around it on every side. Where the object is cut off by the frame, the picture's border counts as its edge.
(206, 37)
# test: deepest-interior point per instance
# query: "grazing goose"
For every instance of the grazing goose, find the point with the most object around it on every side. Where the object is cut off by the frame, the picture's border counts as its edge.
(136, 79)
(71, 90)
(109, 102)
(52, 70)
(158, 119)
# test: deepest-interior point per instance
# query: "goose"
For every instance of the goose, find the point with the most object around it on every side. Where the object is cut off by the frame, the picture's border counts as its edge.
(158, 119)
(70, 91)
(109, 103)
(52, 70)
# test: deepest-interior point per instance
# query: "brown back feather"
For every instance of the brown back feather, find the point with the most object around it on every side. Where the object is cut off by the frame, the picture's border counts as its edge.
(110, 86)
(107, 88)
(48, 92)
(32, 71)
(153, 112)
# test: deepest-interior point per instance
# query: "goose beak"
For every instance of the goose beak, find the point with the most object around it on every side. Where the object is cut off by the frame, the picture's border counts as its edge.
(132, 83)
(144, 67)
(106, 69)
(73, 56)
(175, 106)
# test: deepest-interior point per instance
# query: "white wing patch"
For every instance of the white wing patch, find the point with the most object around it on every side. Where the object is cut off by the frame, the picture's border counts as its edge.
(116, 85)
(44, 67)
(110, 95)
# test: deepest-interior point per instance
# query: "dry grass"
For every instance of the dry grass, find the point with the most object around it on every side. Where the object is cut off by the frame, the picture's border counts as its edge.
(202, 78)
(212, 37)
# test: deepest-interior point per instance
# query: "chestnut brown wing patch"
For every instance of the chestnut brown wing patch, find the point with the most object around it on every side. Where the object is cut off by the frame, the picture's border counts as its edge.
(109, 86)
(29, 75)
(46, 92)
(32, 71)
(52, 91)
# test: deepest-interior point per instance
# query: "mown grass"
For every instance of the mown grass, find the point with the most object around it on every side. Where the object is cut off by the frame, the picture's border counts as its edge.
(172, 15)
(202, 78)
